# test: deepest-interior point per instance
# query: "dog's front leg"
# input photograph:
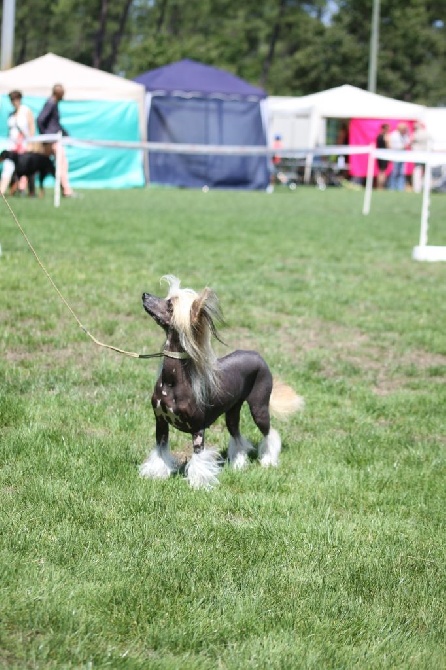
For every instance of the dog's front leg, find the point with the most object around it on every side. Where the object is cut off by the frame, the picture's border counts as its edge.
(204, 466)
(198, 441)
(160, 463)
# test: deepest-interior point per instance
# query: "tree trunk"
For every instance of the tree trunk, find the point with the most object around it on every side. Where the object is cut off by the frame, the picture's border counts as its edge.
(100, 36)
(161, 16)
(109, 63)
(272, 44)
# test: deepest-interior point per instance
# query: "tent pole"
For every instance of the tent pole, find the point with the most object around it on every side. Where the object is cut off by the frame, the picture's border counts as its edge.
(313, 130)
(8, 26)
(57, 180)
(369, 181)
(374, 47)
(425, 206)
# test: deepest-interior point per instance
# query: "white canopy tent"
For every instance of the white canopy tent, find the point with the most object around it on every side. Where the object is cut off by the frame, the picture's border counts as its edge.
(352, 102)
(342, 102)
(301, 121)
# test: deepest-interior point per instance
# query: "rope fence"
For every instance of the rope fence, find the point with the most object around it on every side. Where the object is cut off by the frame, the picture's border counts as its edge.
(426, 157)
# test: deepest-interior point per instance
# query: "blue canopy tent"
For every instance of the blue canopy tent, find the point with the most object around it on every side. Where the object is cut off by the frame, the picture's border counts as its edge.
(191, 103)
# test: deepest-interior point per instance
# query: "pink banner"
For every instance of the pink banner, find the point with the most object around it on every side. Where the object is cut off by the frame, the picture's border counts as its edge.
(364, 132)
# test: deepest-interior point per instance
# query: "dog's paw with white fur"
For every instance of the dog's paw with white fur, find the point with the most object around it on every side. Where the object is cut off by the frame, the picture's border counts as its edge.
(203, 469)
(159, 464)
(269, 449)
(238, 451)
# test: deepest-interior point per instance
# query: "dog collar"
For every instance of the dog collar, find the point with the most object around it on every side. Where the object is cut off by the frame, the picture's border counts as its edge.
(178, 355)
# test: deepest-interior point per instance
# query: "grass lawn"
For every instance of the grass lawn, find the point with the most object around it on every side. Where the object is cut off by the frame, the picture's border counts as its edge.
(336, 559)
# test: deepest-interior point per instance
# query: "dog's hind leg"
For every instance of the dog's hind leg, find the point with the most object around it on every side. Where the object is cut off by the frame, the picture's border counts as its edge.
(271, 444)
(204, 466)
(14, 185)
(269, 449)
(160, 463)
(239, 447)
(31, 186)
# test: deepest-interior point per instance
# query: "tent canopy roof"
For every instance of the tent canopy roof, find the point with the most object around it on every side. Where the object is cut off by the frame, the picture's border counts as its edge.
(348, 102)
(193, 79)
(38, 76)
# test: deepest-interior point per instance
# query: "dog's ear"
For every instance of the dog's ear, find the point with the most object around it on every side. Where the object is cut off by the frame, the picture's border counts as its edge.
(198, 305)
(205, 310)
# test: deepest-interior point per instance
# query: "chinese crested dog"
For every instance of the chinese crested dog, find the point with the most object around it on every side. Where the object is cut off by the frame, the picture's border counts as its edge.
(195, 388)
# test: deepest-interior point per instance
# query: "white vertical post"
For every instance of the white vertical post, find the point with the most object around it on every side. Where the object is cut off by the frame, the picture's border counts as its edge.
(369, 181)
(426, 204)
(374, 47)
(313, 132)
(8, 25)
(57, 180)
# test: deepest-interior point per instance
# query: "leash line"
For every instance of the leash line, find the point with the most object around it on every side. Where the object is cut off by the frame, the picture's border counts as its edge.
(133, 354)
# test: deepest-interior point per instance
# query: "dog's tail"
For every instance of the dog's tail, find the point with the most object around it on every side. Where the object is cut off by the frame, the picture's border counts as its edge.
(284, 401)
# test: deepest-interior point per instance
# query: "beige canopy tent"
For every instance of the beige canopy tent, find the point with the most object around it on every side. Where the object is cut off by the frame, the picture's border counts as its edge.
(38, 76)
(98, 107)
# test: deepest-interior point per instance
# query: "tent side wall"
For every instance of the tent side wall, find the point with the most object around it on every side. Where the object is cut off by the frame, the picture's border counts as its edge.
(209, 121)
(94, 167)
(436, 127)
(364, 132)
(295, 125)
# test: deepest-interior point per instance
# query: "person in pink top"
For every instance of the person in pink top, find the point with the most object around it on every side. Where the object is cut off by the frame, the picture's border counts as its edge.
(20, 126)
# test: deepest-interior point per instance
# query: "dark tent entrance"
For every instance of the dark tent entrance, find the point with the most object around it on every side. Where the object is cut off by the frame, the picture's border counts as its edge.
(202, 115)
(206, 121)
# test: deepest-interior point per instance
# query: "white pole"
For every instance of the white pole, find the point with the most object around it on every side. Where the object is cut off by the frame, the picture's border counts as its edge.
(426, 204)
(8, 21)
(374, 44)
(369, 181)
(313, 137)
(57, 180)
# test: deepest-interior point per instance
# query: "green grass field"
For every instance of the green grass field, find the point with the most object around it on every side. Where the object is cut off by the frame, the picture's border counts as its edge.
(334, 560)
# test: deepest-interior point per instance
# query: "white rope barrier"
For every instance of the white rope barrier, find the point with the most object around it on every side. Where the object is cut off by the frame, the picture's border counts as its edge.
(407, 156)
(428, 158)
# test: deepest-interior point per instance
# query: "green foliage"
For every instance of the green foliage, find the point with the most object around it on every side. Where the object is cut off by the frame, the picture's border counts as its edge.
(333, 560)
(286, 46)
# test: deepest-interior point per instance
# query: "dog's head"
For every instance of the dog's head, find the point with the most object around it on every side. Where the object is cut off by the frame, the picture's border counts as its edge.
(192, 315)
(10, 155)
(160, 309)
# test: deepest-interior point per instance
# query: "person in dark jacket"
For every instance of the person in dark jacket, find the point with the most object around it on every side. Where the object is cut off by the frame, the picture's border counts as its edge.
(382, 142)
(48, 123)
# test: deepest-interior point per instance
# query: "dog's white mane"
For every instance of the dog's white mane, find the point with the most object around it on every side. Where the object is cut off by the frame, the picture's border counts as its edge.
(192, 318)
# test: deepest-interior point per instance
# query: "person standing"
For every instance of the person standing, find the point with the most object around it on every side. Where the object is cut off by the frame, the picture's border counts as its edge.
(21, 126)
(48, 123)
(343, 139)
(420, 142)
(382, 142)
(275, 164)
(399, 140)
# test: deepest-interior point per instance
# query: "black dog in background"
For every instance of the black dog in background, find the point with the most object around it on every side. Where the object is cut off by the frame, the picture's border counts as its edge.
(28, 165)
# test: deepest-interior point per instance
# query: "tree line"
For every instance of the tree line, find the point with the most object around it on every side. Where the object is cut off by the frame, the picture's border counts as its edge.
(287, 47)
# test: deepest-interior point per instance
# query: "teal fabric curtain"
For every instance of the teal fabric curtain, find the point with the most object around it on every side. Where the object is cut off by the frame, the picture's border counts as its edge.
(93, 167)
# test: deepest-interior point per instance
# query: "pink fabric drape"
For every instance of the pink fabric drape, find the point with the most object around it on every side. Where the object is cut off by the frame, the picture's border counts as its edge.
(364, 132)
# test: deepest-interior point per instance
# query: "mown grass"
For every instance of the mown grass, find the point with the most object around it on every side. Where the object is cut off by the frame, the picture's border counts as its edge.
(335, 559)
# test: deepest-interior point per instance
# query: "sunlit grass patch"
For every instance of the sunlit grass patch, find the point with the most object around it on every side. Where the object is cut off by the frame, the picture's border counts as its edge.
(334, 559)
